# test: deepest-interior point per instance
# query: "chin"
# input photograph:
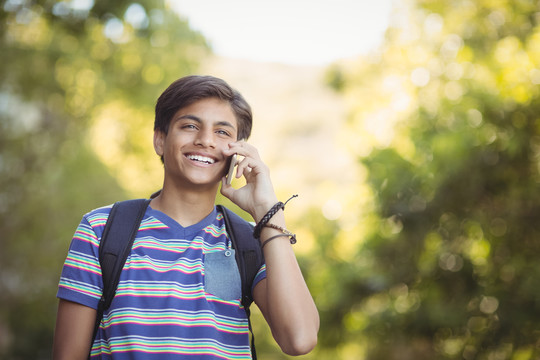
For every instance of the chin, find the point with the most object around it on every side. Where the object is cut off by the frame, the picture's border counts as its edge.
(206, 182)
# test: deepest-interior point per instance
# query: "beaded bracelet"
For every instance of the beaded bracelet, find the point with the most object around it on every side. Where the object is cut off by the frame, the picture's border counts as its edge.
(284, 231)
(278, 206)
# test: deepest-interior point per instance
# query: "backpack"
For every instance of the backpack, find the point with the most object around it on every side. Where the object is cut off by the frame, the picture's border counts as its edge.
(118, 237)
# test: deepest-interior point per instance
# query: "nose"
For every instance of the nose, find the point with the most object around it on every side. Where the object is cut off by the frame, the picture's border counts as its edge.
(205, 138)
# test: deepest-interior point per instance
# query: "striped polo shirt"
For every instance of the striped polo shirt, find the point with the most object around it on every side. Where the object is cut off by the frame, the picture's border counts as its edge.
(164, 307)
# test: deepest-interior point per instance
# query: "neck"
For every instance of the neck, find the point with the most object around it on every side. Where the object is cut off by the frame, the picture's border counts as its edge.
(187, 207)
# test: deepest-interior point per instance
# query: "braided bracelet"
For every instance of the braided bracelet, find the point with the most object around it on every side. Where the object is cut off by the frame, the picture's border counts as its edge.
(278, 206)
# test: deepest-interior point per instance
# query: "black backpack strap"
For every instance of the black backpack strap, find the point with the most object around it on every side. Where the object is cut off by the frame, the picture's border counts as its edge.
(115, 246)
(249, 258)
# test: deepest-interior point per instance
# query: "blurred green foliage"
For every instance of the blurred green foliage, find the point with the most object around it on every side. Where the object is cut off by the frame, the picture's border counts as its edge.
(60, 61)
(453, 271)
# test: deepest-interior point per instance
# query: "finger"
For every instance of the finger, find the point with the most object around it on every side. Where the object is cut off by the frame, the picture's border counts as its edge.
(242, 148)
(244, 172)
(246, 166)
(236, 145)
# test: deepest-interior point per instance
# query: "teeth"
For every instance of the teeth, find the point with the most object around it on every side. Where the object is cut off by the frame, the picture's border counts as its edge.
(200, 158)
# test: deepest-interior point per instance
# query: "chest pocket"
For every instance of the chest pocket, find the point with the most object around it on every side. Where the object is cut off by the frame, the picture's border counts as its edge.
(221, 275)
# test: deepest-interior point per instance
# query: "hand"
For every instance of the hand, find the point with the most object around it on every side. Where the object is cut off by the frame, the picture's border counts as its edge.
(257, 196)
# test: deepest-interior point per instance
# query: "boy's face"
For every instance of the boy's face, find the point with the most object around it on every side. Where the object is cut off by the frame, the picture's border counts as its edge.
(193, 148)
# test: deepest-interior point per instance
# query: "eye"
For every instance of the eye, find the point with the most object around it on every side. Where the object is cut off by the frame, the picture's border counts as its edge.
(189, 126)
(223, 132)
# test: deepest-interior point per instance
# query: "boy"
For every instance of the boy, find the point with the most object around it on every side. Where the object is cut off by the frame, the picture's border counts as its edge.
(163, 308)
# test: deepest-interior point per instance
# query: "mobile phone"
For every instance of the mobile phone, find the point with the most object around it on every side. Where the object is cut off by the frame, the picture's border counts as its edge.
(230, 175)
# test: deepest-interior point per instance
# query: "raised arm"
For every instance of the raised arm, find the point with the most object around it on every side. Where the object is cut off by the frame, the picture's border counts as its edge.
(283, 297)
(73, 332)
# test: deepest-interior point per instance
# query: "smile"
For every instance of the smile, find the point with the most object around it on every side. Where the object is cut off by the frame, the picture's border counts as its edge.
(202, 159)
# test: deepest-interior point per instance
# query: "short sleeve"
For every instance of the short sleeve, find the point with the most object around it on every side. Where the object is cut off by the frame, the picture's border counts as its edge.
(261, 274)
(80, 280)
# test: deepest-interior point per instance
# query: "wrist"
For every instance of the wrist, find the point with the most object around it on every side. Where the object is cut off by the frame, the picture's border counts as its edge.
(262, 221)
(261, 210)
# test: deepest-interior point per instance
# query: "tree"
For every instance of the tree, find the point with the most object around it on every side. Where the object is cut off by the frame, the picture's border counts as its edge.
(72, 73)
(449, 270)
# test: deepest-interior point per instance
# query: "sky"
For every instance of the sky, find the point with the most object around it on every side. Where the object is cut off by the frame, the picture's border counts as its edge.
(310, 32)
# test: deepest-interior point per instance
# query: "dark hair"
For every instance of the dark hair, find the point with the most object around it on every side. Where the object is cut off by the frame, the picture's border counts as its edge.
(187, 90)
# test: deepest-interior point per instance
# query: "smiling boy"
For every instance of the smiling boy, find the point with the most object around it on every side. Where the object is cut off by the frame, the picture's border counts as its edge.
(164, 309)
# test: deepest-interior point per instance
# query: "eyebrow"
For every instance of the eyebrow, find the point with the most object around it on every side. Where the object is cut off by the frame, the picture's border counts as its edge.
(198, 120)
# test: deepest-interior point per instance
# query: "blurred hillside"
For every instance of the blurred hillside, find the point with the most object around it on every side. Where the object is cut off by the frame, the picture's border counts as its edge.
(298, 124)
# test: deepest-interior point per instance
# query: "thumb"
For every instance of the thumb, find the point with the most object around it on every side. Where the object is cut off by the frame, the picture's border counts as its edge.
(226, 189)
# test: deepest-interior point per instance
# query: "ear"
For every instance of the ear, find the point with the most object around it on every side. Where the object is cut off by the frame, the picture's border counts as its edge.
(159, 142)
